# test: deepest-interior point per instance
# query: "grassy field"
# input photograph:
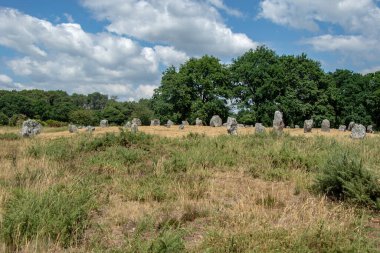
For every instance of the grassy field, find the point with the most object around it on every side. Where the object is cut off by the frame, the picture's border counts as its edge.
(51, 133)
(203, 191)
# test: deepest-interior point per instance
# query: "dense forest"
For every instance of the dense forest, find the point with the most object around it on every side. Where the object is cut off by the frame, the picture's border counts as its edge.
(251, 88)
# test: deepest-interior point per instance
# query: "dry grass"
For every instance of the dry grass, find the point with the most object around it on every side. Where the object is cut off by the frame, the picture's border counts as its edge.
(213, 207)
(51, 133)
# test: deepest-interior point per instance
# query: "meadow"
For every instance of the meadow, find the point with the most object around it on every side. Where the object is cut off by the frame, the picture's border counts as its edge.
(197, 190)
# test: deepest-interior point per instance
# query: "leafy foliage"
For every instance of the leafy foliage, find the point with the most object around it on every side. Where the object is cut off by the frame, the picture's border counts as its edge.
(344, 178)
(198, 89)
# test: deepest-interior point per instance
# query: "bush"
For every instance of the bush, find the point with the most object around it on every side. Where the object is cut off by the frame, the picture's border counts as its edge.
(60, 214)
(344, 178)
(55, 123)
(17, 120)
(83, 117)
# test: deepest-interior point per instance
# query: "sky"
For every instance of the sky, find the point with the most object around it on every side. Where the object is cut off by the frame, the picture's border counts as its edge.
(121, 47)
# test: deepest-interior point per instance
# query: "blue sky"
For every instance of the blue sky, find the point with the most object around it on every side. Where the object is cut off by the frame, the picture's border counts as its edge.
(121, 47)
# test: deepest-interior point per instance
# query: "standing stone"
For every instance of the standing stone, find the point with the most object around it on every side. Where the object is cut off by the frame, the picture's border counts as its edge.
(181, 127)
(104, 123)
(30, 128)
(198, 122)
(169, 124)
(342, 128)
(128, 124)
(325, 125)
(73, 128)
(278, 123)
(185, 123)
(90, 129)
(350, 126)
(308, 126)
(296, 126)
(241, 125)
(231, 120)
(80, 127)
(155, 122)
(134, 128)
(259, 128)
(370, 129)
(232, 126)
(137, 121)
(216, 121)
(358, 131)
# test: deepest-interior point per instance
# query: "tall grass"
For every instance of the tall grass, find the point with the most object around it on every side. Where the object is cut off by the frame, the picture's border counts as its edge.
(60, 214)
(141, 193)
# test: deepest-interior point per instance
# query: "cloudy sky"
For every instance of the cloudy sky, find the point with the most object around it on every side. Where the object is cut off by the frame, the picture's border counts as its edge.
(121, 47)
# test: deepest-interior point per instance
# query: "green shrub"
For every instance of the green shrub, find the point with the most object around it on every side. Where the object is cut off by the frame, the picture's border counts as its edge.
(60, 214)
(345, 178)
(17, 120)
(55, 123)
(4, 120)
(125, 139)
(9, 136)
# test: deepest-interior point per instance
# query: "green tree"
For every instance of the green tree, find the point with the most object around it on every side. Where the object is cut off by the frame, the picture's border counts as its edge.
(83, 117)
(200, 88)
(256, 84)
(113, 115)
(143, 111)
(4, 120)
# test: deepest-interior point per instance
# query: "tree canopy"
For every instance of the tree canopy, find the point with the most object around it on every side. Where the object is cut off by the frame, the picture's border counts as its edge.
(251, 88)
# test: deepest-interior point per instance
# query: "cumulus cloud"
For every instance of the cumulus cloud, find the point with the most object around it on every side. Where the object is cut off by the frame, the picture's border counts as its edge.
(352, 15)
(194, 27)
(358, 20)
(230, 11)
(64, 56)
(4, 79)
(370, 70)
(7, 83)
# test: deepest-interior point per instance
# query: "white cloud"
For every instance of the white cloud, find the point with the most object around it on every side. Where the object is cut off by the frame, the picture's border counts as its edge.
(169, 56)
(342, 43)
(358, 19)
(68, 17)
(7, 83)
(370, 70)
(352, 15)
(4, 79)
(64, 56)
(190, 26)
(220, 5)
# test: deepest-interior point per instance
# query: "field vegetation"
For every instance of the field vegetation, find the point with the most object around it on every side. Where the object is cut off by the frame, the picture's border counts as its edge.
(123, 192)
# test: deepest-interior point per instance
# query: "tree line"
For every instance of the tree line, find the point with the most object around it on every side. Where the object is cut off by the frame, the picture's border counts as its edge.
(251, 88)
(260, 82)
(57, 108)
